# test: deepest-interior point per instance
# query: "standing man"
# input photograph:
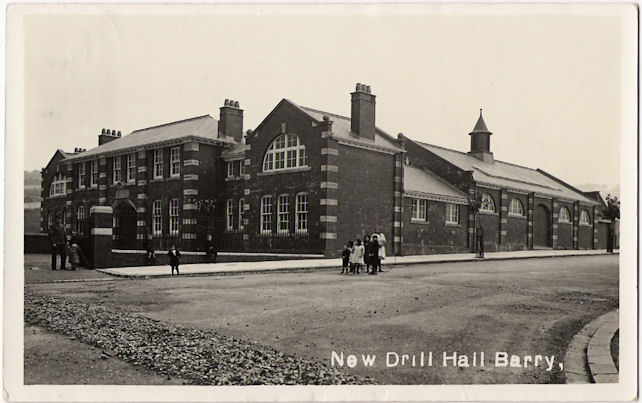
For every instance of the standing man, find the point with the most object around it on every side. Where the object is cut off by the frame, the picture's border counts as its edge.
(480, 242)
(57, 238)
(373, 254)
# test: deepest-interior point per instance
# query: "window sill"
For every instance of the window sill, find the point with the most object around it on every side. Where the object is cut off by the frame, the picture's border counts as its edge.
(452, 224)
(233, 178)
(518, 216)
(565, 222)
(158, 180)
(586, 225)
(285, 171)
(418, 221)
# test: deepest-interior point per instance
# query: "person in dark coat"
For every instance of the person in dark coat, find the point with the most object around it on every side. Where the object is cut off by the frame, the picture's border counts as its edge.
(211, 249)
(373, 254)
(150, 255)
(174, 256)
(57, 237)
(345, 256)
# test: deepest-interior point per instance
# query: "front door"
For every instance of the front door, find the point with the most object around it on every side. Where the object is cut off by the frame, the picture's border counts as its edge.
(542, 227)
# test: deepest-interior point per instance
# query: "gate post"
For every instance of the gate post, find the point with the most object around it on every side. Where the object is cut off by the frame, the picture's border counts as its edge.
(100, 218)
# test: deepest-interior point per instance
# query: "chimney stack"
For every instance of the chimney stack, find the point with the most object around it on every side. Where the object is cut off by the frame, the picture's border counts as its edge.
(363, 112)
(480, 141)
(107, 135)
(231, 120)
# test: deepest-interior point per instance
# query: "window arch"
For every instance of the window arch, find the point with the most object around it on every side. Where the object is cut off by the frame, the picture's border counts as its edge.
(58, 185)
(285, 152)
(487, 203)
(565, 215)
(585, 218)
(516, 207)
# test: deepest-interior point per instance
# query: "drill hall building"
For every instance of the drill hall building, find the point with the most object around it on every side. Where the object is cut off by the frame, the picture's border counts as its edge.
(304, 181)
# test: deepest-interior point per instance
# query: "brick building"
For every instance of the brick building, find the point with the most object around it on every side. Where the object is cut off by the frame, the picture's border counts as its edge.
(305, 181)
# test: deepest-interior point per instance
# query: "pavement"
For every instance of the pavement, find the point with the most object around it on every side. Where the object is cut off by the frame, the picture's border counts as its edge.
(230, 268)
(588, 357)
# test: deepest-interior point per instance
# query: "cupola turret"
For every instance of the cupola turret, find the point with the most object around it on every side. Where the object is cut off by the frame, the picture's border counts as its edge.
(480, 141)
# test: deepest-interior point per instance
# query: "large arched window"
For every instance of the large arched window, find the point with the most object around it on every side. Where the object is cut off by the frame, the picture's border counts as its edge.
(285, 152)
(516, 207)
(58, 185)
(487, 203)
(565, 215)
(585, 218)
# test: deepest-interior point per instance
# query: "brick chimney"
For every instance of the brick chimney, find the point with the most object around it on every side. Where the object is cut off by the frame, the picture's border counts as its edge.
(231, 120)
(107, 135)
(363, 112)
(480, 141)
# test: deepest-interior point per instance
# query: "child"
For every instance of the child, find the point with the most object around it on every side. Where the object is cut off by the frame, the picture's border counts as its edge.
(75, 253)
(352, 257)
(174, 254)
(359, 252)
(345, 255)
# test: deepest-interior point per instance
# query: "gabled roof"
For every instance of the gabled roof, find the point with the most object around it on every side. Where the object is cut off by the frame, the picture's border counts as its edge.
(204, 128)
(421, 182)
(342, 128)
(506, 175)
(63, 154)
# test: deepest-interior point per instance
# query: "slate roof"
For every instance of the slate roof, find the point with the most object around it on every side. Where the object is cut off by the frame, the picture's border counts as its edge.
(419, 180)
(201, 127)
(506, 175)
(341, 128)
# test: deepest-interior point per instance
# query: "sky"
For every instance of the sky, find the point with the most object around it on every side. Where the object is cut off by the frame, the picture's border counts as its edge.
(549, 84)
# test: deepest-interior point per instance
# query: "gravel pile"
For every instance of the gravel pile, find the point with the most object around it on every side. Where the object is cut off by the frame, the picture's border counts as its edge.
(199, 357)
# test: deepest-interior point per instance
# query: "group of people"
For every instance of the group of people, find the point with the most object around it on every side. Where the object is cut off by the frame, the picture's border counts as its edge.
(369, 253)
(66, 246)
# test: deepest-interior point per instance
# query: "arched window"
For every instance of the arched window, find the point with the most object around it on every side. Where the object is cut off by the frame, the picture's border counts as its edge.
(58, 185)
(285, 152)
(487, 203)
(565, 215)
(585, 218)
(516, 207)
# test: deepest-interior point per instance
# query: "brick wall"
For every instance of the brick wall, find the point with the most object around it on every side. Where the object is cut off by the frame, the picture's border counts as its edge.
(433, 235)
(365, 194)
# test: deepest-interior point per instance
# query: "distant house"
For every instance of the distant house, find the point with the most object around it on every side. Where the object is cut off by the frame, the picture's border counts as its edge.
(307, 181)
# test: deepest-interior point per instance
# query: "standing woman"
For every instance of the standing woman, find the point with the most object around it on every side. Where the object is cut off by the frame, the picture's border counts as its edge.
(366, 244)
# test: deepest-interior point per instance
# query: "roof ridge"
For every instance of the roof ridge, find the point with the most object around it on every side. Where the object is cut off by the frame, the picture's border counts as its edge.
(465, 153)
(172, 123)
(325, 113)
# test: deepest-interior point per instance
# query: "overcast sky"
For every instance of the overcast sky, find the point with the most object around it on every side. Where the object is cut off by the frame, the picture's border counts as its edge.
(549, 84)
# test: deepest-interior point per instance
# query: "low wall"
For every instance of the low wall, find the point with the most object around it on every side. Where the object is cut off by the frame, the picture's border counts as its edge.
(37, 243)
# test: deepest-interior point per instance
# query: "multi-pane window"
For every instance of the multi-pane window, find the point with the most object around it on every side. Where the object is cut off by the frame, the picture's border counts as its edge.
(241, 168)
(117, 170)
(266, 214)
(58, 185)
(302, 213)
(50, 220)
(515, 207)
(231, 169)
(418, 209)
(175, 161)
(174, 219)
(93, 173)
(229, 224)
(131, 167)
(487, 203)
(157, 218)
(81, 174)
(585, 218)
(241, 213)
(81, 215)
(452, 213)
(286, 151)
(565, 215)
(158, 163)
(283, 218)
